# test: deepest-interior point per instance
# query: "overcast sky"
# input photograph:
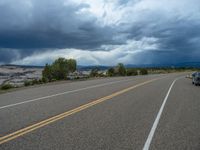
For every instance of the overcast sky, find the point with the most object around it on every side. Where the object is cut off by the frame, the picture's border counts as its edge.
(100, 32)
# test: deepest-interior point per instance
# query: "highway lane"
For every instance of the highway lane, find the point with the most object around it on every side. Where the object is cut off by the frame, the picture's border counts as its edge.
(123, 122)
(52, 89)
(16, 117)
(179, 127)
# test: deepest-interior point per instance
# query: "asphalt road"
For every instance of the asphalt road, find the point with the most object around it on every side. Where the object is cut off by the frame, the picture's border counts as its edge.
(158, 112)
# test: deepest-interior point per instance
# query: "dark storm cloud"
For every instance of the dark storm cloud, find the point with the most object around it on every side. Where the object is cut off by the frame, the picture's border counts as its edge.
(7, 55)
(34, 26)
(49, 24)
(178, 37)
(86, 37)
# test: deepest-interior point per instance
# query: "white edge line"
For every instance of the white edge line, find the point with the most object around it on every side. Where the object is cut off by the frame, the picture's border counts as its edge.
(54, 95)
(155, 124)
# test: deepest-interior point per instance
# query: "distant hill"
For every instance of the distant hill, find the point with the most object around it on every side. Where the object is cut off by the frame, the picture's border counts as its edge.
(178, 65)
(92, 67)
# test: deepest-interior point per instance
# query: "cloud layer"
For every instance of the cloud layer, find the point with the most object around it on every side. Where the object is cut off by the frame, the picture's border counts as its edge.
(99, 32)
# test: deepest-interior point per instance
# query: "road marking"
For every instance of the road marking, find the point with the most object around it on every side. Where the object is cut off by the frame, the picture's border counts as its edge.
(63, 93)
(43, 123)
(155, 124)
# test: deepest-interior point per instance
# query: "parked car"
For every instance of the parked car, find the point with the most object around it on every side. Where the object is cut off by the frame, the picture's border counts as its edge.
(196, 78)
(192, 77)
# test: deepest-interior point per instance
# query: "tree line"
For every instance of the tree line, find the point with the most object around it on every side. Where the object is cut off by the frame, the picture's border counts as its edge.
(119, 70)
(61, 67)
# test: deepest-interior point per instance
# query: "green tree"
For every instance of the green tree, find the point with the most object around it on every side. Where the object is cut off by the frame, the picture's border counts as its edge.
(111, 72)
(6, 86)
(121, 70)
(71, 65)
(60, 69)
(131, 72)
(47, 73)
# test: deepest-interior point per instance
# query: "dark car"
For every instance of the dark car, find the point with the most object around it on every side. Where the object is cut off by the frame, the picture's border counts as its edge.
(192, 76)
(196, 78)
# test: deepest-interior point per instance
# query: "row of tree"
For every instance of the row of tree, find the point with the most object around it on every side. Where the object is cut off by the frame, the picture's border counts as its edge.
(59, 69)
(120, 70)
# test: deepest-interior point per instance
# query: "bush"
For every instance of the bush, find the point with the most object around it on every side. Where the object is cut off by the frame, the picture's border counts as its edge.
(121, 70)
(47, 73)
(143, 71)
(53, 80)
(94, 72)
(45, 80)
(111, 72)
(131, 72)
(6, 86)
(28, 83)
(40, 81)
(59, 70)
(35, 81)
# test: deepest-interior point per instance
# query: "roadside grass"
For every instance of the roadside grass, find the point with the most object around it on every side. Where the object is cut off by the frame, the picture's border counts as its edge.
(6, 87)
(31, 84)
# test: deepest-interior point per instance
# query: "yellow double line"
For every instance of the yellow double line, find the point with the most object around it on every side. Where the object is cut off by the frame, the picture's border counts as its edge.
(45, 122)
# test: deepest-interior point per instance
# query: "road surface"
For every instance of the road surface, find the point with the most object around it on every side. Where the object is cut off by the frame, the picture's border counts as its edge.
(157, 112)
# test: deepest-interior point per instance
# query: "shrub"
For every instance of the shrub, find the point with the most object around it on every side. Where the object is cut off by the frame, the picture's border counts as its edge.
(53, 80)
(40, 81)
(59, 70)
(28, 83)
(94, 72)
(131, 72)
(121, 70)
(35, 81)
(45, 80)
(6, 86)
(111, 72)
(47, 73)
(143, 71)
